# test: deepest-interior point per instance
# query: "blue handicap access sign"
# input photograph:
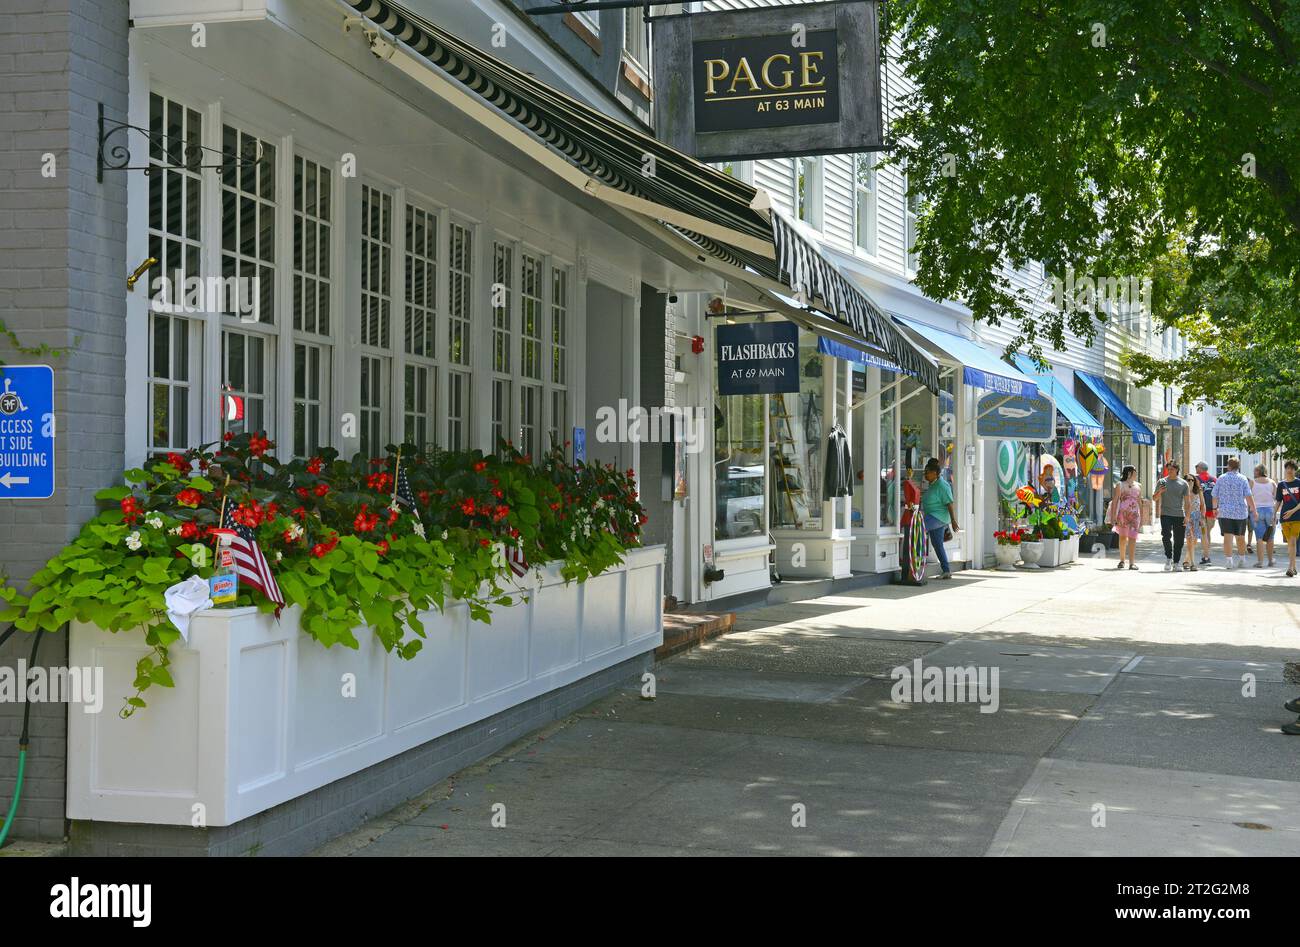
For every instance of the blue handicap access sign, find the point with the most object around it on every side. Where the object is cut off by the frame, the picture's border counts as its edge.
(26, 432)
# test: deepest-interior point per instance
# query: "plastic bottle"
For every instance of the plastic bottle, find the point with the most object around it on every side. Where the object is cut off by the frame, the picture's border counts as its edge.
(223, 586)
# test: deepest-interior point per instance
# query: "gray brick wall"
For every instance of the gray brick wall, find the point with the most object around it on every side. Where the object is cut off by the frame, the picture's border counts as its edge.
(62, 270)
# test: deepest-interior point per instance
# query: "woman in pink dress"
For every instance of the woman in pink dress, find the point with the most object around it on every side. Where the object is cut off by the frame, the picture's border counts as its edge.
(1125, 514)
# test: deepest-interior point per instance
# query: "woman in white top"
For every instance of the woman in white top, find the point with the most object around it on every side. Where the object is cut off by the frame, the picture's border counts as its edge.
(1263, 490)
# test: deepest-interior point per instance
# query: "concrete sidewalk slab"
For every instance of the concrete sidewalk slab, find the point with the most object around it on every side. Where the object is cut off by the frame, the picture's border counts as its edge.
(1036, 668)
(1192, 724)
(683, 678)
(1148, 812)
(783, 650)
(1159, 666)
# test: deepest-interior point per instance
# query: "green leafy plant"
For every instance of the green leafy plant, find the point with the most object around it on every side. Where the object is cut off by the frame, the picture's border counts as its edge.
(340, 546)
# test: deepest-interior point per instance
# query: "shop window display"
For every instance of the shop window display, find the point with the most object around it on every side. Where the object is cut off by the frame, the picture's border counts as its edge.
(888, 449)
(798, 445)
(740, 475)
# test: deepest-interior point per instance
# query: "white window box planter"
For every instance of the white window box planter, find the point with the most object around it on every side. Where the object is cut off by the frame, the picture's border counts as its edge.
(261, 713)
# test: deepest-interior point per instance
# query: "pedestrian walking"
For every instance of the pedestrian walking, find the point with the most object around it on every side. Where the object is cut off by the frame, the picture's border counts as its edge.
(1287, 500)
(940, 510)
(1235, 503)
(1207, 482)
(1263, 489)
(1195, 520)
(1170, 500)
(1125, 514)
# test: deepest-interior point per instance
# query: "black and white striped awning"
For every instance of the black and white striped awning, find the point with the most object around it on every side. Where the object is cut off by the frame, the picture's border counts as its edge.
(728, 218)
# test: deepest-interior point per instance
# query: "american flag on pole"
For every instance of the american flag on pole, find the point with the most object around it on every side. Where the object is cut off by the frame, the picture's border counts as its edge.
(250, 564)
(515, 558)
(403, 493)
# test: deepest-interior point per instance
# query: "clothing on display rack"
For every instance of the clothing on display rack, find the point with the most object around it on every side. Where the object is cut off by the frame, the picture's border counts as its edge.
(839, 464)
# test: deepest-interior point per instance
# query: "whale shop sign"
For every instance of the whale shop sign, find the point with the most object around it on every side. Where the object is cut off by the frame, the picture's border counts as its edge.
(758, 358)
(1009, 418)
(769, 82)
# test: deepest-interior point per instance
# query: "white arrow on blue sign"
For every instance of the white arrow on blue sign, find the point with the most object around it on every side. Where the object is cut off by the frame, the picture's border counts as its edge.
(26, 432)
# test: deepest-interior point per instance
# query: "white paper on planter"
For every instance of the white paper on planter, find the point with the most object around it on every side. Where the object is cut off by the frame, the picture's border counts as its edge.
(184, 599)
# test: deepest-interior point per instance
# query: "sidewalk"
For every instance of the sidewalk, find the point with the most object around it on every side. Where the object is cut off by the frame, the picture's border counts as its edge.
(1124, 727)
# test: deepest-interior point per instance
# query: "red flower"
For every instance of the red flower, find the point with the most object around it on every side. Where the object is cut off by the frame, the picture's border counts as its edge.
(314, 465)
(642, 519)
(322, 489)
(498, 494)
(378, 461)
(480, 466)
(379, 481)
(302, 492)
(319, 550)
(189, 497)
(189, 530)
(467, 506)
(364, 523)
(228, 436)
(179, 462)
(258, 445)
(383, 547)
(392, 516)
(300, 512)
(484, 543)
(424, 497)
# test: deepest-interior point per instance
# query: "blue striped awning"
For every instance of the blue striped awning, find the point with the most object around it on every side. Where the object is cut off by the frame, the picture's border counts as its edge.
(1082, 423)
(1141, 433)
(857, 356)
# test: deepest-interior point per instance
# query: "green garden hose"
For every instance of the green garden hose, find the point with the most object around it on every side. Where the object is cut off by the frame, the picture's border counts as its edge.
(22, 740)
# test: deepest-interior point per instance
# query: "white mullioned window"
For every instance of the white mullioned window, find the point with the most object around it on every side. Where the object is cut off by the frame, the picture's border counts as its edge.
(248, 202)
(313, 208)
(376, 316)
(421, 335)
(530, 353)
(460, 296)
(248, 253)
(864, 203)
(808, 190)
(175, 218)
(557, 389)
(502, 303)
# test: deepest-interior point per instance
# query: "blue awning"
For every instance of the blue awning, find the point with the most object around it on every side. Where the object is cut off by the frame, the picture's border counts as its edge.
(980, 367)
(1082, 423)
(857, 356)
(1141, 433)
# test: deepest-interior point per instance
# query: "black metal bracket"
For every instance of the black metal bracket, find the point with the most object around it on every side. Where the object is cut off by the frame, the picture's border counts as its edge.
(115, 155)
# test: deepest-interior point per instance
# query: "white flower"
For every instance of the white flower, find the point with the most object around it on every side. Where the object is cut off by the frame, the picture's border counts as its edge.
(418, 529)
(154, 521)
(278, 555)
(133, 541)
(175, 530)
(444, 534)
(295, 531)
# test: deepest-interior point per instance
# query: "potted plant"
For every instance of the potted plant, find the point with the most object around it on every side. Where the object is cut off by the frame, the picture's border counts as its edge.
(1008, 548)
(1031, 550)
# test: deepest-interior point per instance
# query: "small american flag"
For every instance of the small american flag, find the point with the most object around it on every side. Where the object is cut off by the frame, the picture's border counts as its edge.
(250, 564)
(515, 558)
(403, 493)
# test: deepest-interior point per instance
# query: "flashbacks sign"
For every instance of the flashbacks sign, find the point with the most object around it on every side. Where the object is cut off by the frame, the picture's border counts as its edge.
(760, 358)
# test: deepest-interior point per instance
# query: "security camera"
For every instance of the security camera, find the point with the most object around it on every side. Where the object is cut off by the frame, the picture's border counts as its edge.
(672, 298)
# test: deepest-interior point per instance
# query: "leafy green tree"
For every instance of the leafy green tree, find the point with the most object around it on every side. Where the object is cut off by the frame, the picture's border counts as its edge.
(1095, 135)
